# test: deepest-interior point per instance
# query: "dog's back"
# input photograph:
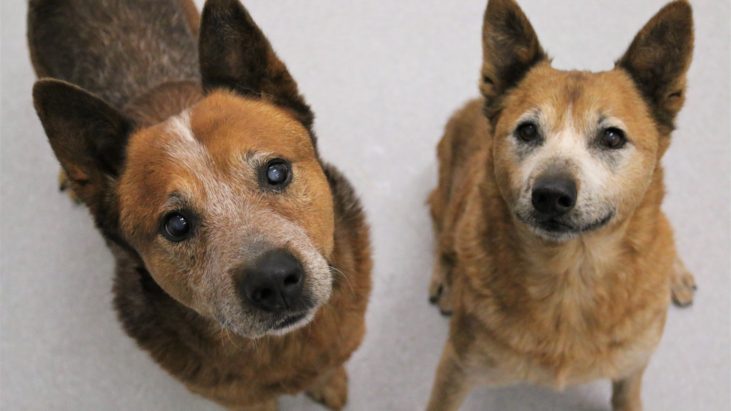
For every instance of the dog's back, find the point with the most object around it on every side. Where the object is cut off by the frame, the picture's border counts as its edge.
(117, 49)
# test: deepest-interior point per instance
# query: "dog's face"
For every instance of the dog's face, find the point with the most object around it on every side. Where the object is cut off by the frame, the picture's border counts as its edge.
(230, 209)
(226, 203)
(575, 151)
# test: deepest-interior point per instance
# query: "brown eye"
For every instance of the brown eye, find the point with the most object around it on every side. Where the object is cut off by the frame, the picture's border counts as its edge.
(613, 138)
(527, 132)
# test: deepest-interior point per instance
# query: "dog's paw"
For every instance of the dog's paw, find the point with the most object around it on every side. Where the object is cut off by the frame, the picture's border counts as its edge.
(682, 284)
(64, 185)
(440, 292)
(265, 406)
(333, 392)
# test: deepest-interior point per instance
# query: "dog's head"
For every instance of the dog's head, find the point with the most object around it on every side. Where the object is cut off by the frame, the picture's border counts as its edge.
(227, 203)
(576, 151)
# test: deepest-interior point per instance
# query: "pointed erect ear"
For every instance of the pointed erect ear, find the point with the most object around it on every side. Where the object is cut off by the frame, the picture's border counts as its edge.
(235, 55)
(87, 135)
(510, 47)
(658, 59)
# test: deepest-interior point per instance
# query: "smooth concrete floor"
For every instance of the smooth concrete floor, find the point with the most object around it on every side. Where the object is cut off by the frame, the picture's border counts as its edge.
(382, 77)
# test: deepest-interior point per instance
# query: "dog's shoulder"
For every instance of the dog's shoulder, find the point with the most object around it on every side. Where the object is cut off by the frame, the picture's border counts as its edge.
(461, 154)
(463, 131)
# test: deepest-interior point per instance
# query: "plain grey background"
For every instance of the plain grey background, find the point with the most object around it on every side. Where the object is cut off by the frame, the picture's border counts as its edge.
(383, 77)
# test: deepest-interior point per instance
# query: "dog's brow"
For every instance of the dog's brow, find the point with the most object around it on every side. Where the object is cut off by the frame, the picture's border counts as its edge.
(611, 121)
(176, 200)
(255, 158)
(534, 114)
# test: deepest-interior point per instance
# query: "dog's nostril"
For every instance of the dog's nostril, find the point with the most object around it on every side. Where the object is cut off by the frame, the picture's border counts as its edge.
(565, 201)
(292, 279)
(540, 199)
(263, 294)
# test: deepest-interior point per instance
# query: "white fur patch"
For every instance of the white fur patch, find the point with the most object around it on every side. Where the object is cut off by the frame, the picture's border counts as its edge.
(180, 126)
(570, 149)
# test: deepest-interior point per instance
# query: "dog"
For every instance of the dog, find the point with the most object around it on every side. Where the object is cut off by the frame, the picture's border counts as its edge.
(242, 258)
(553, 254)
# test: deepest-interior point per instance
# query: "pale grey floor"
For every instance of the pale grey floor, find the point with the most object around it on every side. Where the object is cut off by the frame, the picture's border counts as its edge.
(383, 76)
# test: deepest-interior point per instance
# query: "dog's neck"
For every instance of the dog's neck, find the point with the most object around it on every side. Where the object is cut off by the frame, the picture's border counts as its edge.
(587, 256)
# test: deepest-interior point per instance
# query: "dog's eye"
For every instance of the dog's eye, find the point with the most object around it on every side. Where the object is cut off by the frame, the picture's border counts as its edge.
(176, 227)
(613, 138)
(277, 173)
(527, 132)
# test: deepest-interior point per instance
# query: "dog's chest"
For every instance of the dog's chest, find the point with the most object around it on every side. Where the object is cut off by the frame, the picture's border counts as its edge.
(569, 324)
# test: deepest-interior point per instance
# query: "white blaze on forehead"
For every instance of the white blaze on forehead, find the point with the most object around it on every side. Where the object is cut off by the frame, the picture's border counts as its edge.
(187, 151)
(180, 126)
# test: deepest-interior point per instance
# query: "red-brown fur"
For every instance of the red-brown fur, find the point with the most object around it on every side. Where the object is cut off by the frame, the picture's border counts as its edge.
(126, 156)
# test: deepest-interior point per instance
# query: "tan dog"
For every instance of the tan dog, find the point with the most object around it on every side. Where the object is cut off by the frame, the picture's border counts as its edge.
(243, 262)
(553, 253)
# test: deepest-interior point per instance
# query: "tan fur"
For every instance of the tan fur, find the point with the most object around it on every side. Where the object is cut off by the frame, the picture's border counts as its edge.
(526, 308)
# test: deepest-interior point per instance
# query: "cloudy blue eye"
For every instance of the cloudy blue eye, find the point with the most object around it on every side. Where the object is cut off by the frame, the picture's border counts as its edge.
(176, 227)
(277, 173)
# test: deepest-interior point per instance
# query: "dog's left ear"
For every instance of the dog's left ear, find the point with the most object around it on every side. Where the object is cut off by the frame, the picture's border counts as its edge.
(235, 55)
(658, 60)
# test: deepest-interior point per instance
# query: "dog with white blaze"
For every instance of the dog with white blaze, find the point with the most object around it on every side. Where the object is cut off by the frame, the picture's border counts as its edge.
(242, 258)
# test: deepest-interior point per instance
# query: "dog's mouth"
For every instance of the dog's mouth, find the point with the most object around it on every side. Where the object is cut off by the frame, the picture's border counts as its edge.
(556, 228)
(292, 322)
(289, 321)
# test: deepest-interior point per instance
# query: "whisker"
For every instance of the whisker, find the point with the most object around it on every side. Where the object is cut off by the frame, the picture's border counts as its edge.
(345, 276)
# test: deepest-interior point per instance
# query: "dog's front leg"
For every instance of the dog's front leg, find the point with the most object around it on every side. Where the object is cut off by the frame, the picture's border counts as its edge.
(331, 390)
(626, 393)
(451, 384)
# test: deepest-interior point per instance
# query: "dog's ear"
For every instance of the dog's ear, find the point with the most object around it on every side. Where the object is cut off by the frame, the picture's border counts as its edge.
(510, 47)
(88, 136)
(235, 54)
(658, 60)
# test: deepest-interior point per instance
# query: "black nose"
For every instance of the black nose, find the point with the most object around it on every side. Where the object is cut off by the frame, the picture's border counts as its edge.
(554, 196)
(273, 282)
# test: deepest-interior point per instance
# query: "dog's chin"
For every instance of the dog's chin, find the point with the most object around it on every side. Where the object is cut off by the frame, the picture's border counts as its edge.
(292, 322)
(556, 230)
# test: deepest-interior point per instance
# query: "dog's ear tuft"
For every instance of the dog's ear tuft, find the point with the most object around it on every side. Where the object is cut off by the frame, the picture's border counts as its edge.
(510, 47)
(235, 55)
(658, 60)
(88, 136)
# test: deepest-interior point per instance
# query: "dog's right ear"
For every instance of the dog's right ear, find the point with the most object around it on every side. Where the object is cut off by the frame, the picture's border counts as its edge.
(88, 136)
(510, 47)
(234, 54)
